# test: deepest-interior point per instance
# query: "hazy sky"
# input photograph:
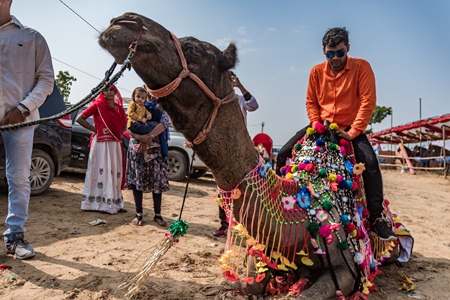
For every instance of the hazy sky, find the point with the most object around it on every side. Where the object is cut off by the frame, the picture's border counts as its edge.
(406, 42)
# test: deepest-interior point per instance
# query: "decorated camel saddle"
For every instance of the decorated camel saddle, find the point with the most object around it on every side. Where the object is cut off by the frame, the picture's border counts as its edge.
(322, 189)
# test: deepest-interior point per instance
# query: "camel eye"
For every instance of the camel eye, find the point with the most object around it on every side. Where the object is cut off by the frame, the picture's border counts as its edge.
(192, 50)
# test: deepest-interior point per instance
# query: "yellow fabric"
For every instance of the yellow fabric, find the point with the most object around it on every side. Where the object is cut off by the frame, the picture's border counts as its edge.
(136, 112)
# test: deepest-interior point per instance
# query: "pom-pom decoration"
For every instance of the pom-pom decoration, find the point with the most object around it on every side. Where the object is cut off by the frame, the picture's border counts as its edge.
(350, 227)
(289, 176)
(325, 231)
(327, 205)
(313, 227)
(344, 143)
(343, 245)
(345, 219)
(320, 128)
(309, 168)
(320, 142)
(310, 131)
(334, 126)
(332, 177)
(358, 258)
(177, 229)
(332, 146)
(322, 173)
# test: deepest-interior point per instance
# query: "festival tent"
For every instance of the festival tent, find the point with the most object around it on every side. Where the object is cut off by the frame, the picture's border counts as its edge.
(430, 129)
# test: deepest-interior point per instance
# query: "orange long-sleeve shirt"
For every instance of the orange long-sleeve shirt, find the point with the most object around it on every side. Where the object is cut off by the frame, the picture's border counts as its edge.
(347, 99)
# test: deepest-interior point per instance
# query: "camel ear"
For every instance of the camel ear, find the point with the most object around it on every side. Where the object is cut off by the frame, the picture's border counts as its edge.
(229, 58)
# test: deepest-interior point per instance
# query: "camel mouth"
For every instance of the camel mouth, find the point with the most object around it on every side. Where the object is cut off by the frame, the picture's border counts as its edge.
(114, 35)
(119, 35)
(112, 41)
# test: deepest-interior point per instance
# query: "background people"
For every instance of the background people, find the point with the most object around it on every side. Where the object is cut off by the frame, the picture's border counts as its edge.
(21, 94)
(247, 103)
(342, 90)
(149, 176)
(105, 176)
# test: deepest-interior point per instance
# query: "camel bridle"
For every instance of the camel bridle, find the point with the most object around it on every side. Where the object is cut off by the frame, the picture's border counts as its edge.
(172, 86)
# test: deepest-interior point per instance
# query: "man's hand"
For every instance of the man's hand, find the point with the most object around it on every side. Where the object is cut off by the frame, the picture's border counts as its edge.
(344, 134)
(14, 116)
(236, 82)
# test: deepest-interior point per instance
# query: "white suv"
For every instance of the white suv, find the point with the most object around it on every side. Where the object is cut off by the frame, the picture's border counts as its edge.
(180, 157)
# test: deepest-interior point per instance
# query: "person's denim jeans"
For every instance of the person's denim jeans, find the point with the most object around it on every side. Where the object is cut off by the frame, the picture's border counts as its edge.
(18, 148)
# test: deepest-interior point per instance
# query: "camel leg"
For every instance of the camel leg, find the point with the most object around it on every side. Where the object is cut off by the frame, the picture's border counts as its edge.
(324, 287)
(254, 288)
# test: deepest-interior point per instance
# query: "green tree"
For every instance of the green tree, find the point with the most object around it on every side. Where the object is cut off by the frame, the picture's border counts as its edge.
(64, 83)
(378, 115)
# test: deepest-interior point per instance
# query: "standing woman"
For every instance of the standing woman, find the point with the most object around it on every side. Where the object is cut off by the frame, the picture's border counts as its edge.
(105, 176)
(150, 176)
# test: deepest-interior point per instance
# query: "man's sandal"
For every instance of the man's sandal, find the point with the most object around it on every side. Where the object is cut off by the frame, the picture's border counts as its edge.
(160, 221)
(137, 220)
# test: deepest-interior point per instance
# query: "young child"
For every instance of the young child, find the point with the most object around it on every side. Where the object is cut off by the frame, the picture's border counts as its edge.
(139, 119)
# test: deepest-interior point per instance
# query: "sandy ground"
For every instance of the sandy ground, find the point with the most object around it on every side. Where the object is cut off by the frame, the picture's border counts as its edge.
(75, 260)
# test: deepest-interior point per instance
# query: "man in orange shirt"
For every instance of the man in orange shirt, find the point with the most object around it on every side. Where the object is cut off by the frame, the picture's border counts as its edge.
(342, 90)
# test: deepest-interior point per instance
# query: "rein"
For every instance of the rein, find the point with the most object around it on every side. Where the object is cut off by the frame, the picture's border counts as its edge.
(172, 86)
(92, 95)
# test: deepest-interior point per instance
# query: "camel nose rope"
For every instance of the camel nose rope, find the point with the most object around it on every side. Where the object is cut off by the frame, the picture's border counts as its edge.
(92, 95)
(172, 86)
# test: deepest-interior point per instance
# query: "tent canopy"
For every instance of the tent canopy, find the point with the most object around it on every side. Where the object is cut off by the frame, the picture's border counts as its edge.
(430, 129)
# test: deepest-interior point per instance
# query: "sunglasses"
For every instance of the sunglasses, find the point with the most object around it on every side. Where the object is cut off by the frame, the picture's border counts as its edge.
(331, 54)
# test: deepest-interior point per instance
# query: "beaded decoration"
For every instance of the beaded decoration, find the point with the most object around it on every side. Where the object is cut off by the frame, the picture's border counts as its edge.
(320, 192)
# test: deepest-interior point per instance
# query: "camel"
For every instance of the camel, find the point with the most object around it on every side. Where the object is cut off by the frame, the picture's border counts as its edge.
(224, 144)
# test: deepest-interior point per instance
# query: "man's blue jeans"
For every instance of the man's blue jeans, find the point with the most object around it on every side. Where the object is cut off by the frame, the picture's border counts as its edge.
(18, 148)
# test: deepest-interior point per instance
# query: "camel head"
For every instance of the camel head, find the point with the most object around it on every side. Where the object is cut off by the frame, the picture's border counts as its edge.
(158, 63)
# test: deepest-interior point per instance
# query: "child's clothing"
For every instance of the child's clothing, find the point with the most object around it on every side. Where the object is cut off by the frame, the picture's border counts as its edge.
(136, 112)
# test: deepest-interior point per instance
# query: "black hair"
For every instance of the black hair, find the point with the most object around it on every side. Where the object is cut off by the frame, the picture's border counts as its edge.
(335, 36)
(233, 74)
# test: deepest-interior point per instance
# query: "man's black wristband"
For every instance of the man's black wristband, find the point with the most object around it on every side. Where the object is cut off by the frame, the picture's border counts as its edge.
(247, 96)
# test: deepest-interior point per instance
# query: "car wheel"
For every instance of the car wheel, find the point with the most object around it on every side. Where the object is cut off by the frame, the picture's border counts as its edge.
(178, 165)
(198, 173)
(42, 172)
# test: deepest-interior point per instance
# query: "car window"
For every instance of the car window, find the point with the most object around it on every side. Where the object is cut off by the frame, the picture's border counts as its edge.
(78, 112)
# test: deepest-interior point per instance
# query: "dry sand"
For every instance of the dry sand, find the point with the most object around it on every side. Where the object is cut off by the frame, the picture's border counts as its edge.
(75, 260)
